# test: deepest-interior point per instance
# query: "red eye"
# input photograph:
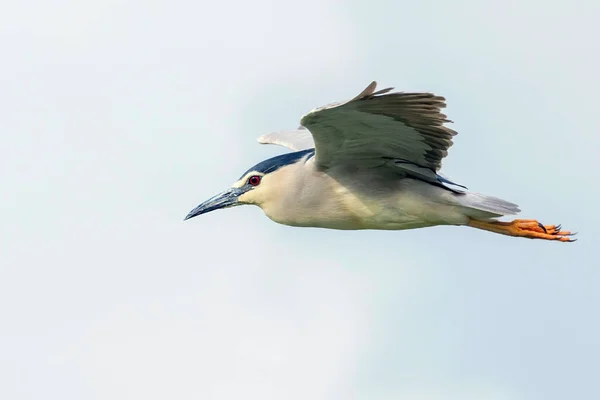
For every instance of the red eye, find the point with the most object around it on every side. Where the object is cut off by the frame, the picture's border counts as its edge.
(254, 180)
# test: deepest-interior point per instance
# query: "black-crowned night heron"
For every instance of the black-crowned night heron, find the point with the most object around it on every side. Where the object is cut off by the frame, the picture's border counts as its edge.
(370, 163)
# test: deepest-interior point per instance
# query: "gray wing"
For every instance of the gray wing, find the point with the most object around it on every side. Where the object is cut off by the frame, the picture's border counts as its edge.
(296, 140)
(405, 128)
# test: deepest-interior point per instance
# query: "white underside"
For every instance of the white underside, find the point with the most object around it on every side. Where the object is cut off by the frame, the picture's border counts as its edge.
(367, 200)
(415, 205)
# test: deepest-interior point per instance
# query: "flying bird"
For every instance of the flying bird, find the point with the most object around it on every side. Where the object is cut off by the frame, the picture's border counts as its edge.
(371, 162)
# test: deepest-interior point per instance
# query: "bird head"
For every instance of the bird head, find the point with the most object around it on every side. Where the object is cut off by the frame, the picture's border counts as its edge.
(260, 185)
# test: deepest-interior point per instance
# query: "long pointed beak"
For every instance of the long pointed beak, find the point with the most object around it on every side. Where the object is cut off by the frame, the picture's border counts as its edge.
(228, 198)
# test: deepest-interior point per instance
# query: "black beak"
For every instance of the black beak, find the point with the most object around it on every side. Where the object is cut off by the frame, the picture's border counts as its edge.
(226, 199)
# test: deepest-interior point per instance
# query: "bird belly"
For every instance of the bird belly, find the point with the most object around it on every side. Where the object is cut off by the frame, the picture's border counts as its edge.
(364, 203)
(410, 212)
(414, 205)
(417, 205)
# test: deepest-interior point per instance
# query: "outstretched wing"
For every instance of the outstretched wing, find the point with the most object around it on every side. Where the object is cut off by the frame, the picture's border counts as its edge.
(300, 139)
(381, 125)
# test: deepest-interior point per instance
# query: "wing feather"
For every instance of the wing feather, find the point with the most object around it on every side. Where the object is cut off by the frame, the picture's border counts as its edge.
(296, 140)
(381, 124)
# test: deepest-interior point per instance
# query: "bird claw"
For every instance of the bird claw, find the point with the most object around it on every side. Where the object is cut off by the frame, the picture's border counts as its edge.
(527, 228)
(535, 230)
(543, 227)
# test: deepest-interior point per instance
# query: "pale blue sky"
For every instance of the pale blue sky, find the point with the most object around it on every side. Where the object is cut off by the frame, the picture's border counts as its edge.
(118, 117)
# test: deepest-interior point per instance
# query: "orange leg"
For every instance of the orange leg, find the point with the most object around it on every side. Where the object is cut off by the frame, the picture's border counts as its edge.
(527, 228)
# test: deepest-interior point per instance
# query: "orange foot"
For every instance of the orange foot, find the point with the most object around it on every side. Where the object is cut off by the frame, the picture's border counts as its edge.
(527, 228)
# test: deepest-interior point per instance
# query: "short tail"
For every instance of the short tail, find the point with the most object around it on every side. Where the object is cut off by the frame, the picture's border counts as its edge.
(480, 206)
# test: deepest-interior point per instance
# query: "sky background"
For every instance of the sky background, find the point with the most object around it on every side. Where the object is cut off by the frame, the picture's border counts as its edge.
(118, 117)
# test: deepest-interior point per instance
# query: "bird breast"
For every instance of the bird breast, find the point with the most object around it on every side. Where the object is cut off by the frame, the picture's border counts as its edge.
(312, 198)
